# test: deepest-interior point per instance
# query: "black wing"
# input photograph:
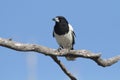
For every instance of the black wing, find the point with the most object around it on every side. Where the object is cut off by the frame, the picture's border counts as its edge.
(73, 36)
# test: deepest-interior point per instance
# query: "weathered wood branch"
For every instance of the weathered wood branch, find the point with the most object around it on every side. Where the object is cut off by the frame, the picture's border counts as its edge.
(63, 68)
(53, 52)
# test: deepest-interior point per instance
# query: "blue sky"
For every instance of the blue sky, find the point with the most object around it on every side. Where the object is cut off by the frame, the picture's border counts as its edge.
(95, 22)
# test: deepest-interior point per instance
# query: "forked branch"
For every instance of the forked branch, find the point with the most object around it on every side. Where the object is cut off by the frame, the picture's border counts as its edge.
(8, 43)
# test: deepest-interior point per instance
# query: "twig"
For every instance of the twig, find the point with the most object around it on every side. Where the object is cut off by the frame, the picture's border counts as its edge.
(63, 68)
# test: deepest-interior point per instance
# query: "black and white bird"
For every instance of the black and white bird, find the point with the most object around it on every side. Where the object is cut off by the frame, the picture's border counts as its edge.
(64, 34)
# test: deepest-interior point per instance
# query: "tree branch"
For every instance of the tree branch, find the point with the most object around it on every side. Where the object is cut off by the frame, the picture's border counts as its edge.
(63, 68)
(53, 52)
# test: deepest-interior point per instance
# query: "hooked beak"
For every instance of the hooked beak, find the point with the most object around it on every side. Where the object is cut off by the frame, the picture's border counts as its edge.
(55, 19)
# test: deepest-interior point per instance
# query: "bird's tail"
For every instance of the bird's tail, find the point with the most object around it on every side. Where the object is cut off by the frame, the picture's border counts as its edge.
(71, 58)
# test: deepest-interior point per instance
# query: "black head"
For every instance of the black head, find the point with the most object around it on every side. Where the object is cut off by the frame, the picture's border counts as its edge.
(60, 19)
(61, 27)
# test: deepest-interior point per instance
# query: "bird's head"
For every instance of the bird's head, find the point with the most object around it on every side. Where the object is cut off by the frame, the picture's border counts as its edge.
(60, 19)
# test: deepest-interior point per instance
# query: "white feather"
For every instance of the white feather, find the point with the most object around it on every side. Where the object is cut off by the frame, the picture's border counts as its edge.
(65, 40)
(70, 26)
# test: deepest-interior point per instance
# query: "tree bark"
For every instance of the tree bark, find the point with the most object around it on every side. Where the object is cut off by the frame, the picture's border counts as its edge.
(9, 43)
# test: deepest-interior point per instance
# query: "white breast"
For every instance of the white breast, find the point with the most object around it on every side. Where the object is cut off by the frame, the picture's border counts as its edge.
(65, 40)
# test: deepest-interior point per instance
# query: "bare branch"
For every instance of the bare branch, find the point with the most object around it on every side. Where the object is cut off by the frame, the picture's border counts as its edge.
(63, 68)
(63, 53)
(45, 50)
(107, 62)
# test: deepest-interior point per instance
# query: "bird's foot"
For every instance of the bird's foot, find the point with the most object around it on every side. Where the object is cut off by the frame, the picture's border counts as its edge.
(62, 51)
(59, 49)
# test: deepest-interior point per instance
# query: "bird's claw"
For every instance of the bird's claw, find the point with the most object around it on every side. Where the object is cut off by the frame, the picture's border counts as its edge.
(59, 49)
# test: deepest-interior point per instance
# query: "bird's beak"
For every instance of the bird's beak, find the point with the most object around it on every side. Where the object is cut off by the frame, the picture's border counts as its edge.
(55, 19)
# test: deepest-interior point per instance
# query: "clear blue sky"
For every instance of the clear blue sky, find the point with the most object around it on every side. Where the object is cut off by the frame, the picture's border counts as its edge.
(96, 24)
